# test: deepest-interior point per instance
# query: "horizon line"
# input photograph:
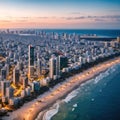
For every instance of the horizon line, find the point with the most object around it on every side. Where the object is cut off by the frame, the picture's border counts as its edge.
(64, 28)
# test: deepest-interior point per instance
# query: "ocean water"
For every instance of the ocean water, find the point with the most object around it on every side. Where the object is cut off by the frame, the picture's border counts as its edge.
(97, 99)
(100, 32)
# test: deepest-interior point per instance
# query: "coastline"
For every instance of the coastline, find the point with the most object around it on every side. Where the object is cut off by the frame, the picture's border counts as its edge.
(32, 109)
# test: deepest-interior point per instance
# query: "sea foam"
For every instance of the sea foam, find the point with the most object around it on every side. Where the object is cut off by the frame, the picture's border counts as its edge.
(71, 95)
(50, 113)
(104, 74)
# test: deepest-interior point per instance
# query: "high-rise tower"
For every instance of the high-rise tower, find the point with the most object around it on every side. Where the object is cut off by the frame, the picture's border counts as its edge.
(31, 61)
(16, 76)
(52, 67)
(39, 67)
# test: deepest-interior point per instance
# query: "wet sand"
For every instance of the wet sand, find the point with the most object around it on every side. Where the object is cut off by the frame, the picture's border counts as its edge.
(30, 110)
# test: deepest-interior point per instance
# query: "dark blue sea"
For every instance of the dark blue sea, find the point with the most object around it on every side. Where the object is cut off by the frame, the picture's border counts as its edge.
(99, 32)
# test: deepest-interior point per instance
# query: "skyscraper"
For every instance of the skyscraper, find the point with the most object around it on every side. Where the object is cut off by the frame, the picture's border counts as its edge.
(4, 84)
(56, 64)
(63, 62)
(39, 67)
(9, 92)
(7, 68)
(3, 88)
(52, 67)
(16, 76)
(25, 82)
(3, 73)
(31, 61)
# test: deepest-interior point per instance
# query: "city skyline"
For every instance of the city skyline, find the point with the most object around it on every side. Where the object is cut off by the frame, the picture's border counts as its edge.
(83, 14)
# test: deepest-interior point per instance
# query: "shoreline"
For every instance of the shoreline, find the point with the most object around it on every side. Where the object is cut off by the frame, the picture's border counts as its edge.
(50, 107)
(33, 108)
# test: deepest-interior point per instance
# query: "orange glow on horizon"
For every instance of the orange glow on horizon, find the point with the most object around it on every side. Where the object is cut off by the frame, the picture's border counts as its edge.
(41, 22)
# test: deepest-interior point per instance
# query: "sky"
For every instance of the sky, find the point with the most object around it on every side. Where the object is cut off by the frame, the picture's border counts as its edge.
(63, 14)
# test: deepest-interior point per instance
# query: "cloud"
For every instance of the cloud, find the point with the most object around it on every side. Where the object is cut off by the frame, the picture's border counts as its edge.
(110, 16)
(118, 20)
(75, 18)
(58, 20)
(96, 18)
(78, 17)
(5, 21)
(75, 13)
(99, 20)
(114, 10)
(42, 17)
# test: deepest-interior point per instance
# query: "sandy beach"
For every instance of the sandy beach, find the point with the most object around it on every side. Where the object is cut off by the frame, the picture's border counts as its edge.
(30, 110)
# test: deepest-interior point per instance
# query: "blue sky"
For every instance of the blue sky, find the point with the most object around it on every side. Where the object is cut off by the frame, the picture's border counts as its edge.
(60, 13)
